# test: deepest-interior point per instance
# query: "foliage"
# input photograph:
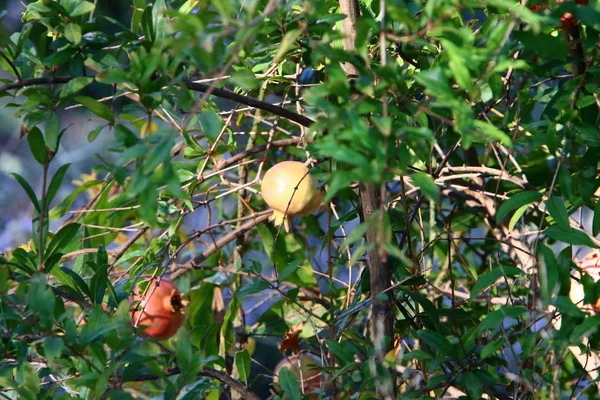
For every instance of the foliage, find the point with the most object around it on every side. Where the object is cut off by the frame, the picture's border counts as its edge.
(476, 120)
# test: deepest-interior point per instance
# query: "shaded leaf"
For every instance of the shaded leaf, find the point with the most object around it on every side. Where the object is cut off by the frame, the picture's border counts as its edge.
(492, 276)
(557, 210)
(516, 202)
(100, 109)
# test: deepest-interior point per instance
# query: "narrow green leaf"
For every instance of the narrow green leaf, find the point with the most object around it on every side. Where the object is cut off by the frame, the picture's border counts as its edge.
(427, 185)
(548, 274)
(495, 318)
(492, 348)
(490, 132)
(557, 210)
(516, 202)
(492, 276)
(77, 281)
(27, 188)
(52, 131)
(588, 327)
(242, 363)
(437, 342)
(37, 145)
(100, 109)
(56, 182)
(98, 284)
(211, 124)
(566, 307)
(596, 222)
(62, 238)
(289, 269)
(102, 256)
(94, 133)
(517, 216)
(569, 236)
(286, 43)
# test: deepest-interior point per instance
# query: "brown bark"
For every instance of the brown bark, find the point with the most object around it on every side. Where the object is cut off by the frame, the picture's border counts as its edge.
(379, 269)
(352, 11)
(381, 278)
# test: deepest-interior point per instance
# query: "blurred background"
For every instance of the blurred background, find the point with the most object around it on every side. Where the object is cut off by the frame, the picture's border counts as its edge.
(15, 157)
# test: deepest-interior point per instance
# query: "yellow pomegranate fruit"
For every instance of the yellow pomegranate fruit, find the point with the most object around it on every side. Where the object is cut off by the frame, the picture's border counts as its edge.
(291, 191)
(148, 128)
(306, 368)
(163, 310)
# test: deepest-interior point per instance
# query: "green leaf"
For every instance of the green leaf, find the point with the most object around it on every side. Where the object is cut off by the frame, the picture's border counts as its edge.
(548, 274)
(76, 282)
(27, 188)
(66, 203)
(492, 348)
(73, 33)
(495, 318)
(516, 202)
(492, 276)
(437, 342)
(62, 238)
(517, 216)
(427, 185)
(490, 132)
(53, 347)
(544, 44)
(100, 109)
(596, 222)
(85, 7)
(211, 124)
(74, 86)
(287, 42)
(289, 269)
(289, 384)
(52, 132)
(56, 182)
(566, 306)
(557, 210)
(98, 283)
(36, 142)
(94, 133)
(101, 256)
(242, 363)
(570, 236)
(244, 79)
(584, 330)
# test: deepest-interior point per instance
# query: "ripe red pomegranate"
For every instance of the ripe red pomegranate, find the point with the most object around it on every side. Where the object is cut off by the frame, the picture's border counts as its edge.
(163, 310)
(568, 20)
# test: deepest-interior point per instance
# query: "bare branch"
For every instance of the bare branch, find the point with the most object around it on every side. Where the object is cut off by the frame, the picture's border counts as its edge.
(196, 86)
(178, 270)
(211, 373)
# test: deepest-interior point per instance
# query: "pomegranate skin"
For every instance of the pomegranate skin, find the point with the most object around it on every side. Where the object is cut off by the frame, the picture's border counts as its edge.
(291, 191)
(163, 310)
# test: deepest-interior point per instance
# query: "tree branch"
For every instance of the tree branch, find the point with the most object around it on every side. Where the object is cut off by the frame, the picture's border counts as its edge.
(179, 269)
(211, 373)
(49, 80)
(250, 101)
(196, 86)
